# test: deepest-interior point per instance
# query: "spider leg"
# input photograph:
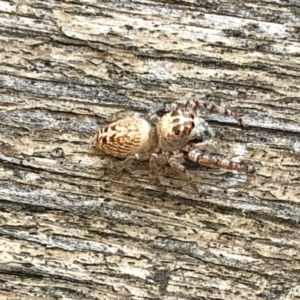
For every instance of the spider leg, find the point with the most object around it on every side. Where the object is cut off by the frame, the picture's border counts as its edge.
(153, 161)
(213, 108)
(138, 156)
(208, 129)
(215, 160)
(209, 145)
(179, 168)
(158, 159)
(154, 118)
(126, 163)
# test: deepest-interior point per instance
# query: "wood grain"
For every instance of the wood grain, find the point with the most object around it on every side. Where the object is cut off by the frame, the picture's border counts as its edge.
(78, 224)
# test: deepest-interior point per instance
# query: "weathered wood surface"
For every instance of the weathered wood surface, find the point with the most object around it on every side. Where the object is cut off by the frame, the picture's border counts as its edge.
(73, 224)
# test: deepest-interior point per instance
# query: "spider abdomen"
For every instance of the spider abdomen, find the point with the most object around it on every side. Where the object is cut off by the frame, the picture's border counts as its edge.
(125, 137)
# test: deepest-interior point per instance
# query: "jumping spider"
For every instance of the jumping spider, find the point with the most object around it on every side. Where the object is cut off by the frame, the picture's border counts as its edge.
(176, 133)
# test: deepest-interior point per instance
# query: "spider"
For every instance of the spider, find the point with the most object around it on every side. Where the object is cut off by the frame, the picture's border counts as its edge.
(176, 134)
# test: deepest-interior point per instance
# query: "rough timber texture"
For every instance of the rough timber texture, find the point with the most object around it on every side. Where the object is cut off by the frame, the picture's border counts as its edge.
(74, 223)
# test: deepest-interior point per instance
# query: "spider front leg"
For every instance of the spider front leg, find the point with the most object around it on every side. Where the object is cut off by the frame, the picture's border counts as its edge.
(179, 168)
(208, 145)
(213, 108)
(218, 161)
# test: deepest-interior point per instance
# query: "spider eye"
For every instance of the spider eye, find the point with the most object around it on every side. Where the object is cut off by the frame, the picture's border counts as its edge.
(177, 129)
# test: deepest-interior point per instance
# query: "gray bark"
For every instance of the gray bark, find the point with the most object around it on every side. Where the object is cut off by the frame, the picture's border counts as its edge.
(75, 224)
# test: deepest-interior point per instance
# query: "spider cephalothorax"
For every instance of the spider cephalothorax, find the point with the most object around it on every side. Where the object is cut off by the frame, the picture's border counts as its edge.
(176, 128)
(176, 133)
